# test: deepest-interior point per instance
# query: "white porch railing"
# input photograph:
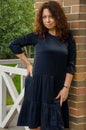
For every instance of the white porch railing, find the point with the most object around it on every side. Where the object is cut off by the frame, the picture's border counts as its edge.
(6, 82)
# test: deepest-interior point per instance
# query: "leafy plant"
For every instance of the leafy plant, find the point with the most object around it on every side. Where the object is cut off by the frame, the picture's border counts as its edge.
(16, 19)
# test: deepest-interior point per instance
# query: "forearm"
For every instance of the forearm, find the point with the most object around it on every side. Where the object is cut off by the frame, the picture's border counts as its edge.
(23, 58)
(68, 79)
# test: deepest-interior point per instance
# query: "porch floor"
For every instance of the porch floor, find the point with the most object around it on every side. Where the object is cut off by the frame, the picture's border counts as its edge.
(13, 126)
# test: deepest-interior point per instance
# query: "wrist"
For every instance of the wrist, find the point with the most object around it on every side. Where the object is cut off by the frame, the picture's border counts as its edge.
(28, 63)
(65, 86)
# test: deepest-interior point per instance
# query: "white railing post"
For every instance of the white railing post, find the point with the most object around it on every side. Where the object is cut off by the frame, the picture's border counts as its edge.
(2, 100)
(22, 81)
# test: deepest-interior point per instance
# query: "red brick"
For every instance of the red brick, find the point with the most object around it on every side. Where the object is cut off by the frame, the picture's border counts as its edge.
(37, 5)
(67, 9)
(59, 1)
(78, 9)
(79, 32)
(78, 126)
(79, 90)
(78, 24)
(70, 2)
(77, 119)
(77, 105)
(80, 76)
(77, 97)
(77, 112)
(72, 17)
(81, 47)
(81, 68)
(82, 8)
(79, 83)
(81, 54)
(75, 9)
(81, 61)
(82, 1)
(80, 39)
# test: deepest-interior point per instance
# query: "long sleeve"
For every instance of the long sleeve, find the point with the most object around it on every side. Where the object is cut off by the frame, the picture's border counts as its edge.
(17, 44)
(71, 55)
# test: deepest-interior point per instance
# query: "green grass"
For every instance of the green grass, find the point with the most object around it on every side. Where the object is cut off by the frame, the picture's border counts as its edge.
(16, 80)
(9, 100)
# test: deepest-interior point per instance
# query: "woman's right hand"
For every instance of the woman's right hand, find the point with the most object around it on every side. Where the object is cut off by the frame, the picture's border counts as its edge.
(23, 57)
(29, 69)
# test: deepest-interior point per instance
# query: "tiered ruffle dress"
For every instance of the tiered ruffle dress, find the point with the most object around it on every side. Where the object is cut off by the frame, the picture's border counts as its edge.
(52, 60)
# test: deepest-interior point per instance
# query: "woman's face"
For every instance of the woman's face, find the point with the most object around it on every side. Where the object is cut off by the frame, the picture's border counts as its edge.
(48, 20)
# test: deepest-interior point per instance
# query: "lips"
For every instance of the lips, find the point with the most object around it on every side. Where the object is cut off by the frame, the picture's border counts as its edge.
(48, 24)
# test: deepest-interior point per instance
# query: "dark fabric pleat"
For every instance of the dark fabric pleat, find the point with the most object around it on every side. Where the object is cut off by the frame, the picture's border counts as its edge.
(39, 106)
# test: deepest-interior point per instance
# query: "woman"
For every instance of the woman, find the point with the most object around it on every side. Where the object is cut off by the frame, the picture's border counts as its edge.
(47, 85)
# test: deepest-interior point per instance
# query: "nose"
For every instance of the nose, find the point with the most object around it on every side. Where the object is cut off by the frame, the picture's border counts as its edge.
(47, 20)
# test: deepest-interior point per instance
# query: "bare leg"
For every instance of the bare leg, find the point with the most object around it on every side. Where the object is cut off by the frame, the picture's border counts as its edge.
(36, 128)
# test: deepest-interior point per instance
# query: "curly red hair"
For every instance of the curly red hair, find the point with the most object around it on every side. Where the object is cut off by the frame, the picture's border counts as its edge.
(57, 12)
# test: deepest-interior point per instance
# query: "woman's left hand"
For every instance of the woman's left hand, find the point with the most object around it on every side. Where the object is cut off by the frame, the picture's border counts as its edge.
(63, 95)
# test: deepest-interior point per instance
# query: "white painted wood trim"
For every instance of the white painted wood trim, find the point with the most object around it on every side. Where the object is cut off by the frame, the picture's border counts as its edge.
(13, 70)
(12, 111)
(2, 100)
(6, 75)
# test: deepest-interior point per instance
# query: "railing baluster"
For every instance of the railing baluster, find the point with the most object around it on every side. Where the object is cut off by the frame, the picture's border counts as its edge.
(2, 99)
(22, 81)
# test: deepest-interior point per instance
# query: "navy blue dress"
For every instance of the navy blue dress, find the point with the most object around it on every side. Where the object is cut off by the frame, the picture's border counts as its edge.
(52, 60)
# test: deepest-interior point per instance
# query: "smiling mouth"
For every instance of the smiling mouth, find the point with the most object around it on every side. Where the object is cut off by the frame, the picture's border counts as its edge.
(48, 24)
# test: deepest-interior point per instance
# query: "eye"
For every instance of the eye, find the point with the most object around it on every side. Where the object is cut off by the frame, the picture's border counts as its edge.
(43, 17)
(50, 16)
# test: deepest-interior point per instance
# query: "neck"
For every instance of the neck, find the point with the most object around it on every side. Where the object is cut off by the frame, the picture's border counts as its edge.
(52, 32)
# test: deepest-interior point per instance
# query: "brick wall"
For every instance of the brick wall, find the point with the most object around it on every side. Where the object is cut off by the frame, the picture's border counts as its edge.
(75, 11)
